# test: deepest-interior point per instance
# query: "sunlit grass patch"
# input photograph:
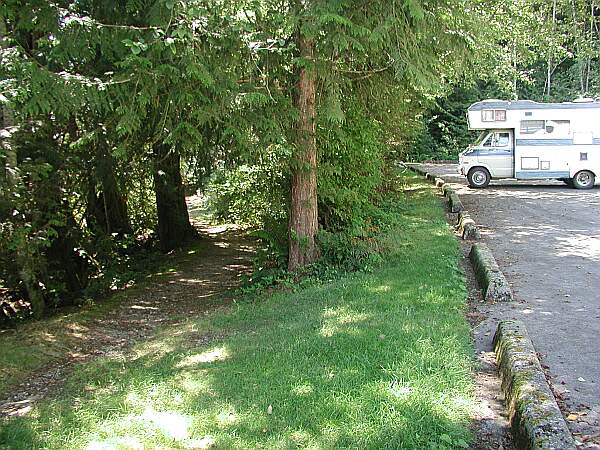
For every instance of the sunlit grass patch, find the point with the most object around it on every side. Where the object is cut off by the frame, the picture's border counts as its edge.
(379, 360)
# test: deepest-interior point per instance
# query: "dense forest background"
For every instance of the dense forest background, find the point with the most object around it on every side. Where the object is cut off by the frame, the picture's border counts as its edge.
(287, 115)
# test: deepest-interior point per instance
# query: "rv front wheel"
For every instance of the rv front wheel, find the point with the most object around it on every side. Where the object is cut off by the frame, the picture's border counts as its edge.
(583, 180)
(478, 177)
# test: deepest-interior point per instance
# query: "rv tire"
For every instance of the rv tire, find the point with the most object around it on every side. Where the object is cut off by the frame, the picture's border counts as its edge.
(478, 177)
(583, 180)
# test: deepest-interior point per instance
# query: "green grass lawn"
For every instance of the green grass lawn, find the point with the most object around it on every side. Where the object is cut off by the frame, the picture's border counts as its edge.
(371, 360)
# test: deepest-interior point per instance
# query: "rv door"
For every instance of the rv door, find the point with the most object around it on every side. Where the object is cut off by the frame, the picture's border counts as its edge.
(497, 153)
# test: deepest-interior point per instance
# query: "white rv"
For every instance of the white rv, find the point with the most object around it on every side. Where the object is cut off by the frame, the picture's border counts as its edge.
(527, 140)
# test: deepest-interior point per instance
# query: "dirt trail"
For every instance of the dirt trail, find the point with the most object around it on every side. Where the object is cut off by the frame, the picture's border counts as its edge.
(199, 284)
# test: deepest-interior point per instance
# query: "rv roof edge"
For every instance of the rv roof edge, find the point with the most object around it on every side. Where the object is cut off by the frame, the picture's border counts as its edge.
(530, 105)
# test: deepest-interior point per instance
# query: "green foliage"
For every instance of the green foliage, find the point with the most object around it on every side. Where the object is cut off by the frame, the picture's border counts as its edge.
(350, 170)
(39, 245)
(215, 82)
(445, 132)
(252, 195)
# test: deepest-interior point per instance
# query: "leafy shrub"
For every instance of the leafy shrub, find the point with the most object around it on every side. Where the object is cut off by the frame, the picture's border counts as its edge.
(349, 253)
(252, 195)
(351, 160)
(39, 238)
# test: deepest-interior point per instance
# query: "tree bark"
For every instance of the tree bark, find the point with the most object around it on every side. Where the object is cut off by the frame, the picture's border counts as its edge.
(303, 224)
(30, 280)
(107, 210)
(550, 69)
(174, 228)
(8, 155)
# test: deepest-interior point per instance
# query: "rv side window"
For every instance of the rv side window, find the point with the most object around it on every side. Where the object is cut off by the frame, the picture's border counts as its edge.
(488, 140)
(502, 139)
(532, 126)
(562, 127)
(487, 115)
(492, 115)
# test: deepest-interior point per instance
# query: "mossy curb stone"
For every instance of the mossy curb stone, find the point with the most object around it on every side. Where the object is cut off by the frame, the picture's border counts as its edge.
(493, 283)
(456, 205)
(536, 420)
(466, 227)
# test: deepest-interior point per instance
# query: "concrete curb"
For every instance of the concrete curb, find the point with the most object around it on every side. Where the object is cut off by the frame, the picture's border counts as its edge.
(493, 283)
(466, 227)
(536, 420)
(454, 202)
(456, 205)
(415, 167)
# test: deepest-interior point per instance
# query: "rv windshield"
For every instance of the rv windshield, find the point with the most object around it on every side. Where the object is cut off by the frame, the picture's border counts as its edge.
(480, 138)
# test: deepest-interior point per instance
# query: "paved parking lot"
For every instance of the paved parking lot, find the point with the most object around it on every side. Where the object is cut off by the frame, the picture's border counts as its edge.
(546, 239)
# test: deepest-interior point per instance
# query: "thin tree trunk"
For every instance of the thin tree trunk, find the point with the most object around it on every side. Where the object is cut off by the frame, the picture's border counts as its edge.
(7, 154)
(514, 61)
(303, 225)
(174, 228)
(549, 76)
(31, 282)
(578, 47)
(24, 258)
(590, 46)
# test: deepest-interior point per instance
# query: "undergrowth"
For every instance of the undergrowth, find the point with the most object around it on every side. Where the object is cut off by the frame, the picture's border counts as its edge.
(361, 248)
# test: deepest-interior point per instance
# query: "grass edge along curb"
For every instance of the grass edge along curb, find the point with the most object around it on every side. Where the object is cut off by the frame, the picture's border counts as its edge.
(466, 225)
(490, 277)
(536, 420)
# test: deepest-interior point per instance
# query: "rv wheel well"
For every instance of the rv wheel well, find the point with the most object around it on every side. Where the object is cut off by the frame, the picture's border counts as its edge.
(593, 172)
(479, 167)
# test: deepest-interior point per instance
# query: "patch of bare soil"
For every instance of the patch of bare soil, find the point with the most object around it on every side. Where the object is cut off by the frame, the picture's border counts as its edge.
(200, 283)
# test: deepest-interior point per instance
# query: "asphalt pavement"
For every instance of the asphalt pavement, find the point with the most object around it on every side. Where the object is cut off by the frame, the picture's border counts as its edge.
(546, 239)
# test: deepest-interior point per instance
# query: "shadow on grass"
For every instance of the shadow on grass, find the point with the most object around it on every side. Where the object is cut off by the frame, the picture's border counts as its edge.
(378, 360)
(365, 369)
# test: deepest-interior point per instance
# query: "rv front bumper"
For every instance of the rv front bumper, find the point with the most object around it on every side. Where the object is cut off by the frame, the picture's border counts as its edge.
(461, 165)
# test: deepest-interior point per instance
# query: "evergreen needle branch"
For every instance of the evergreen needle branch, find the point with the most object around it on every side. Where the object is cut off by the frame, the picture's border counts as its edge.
(64, 75)
(365, 72)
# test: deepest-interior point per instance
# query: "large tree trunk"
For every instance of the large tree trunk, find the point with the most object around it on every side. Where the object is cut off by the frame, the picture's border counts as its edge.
(303, 225)
(64, 262)
(107, 210)
(174, 227)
